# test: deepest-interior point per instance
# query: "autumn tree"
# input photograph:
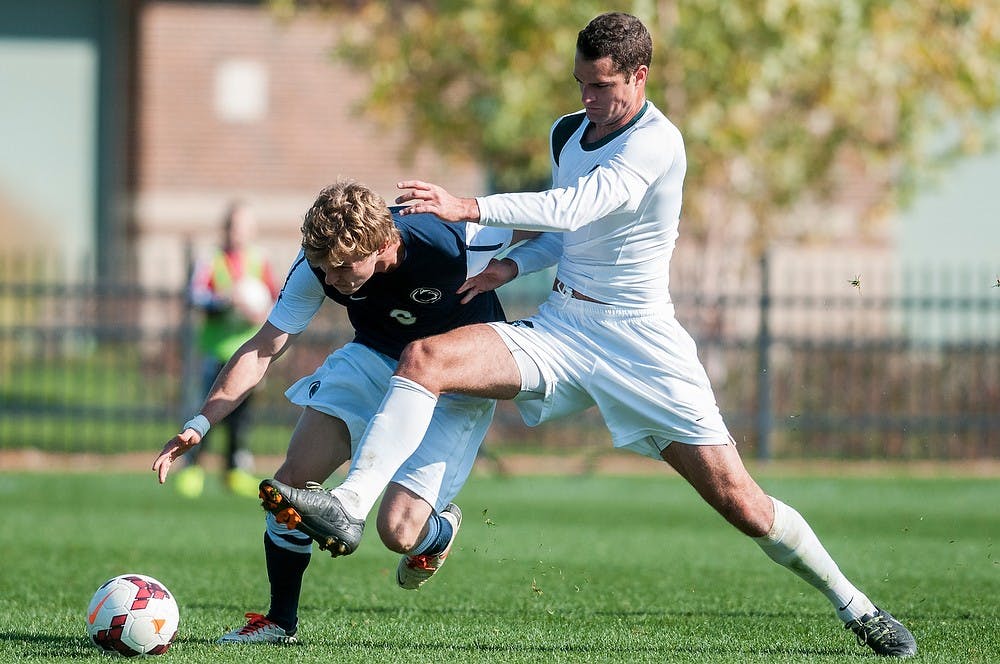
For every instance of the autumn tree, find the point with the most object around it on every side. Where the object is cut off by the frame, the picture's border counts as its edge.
(785, 105)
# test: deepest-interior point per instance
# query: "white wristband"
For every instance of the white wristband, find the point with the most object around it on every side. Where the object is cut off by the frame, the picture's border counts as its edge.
(199, 423)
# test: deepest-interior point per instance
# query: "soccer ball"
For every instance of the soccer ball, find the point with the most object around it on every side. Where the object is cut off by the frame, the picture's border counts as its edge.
(252, 299)
(132, 614)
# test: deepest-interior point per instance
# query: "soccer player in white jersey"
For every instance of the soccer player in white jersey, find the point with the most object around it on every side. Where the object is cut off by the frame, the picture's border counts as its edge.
(400, 279)
(607, 336)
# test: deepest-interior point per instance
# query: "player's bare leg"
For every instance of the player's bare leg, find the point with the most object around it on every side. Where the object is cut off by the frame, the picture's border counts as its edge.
(473, 360)
(719, 476)
(319, 445)
(402, 518)
(408, 525)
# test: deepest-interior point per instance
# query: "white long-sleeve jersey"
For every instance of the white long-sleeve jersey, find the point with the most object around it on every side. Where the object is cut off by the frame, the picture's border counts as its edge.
(616, 204)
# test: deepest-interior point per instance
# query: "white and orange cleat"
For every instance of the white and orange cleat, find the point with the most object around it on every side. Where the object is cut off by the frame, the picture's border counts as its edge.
(413, 571)
(259, 629)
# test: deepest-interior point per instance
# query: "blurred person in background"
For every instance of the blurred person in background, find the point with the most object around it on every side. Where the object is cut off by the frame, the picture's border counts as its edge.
(234, 288)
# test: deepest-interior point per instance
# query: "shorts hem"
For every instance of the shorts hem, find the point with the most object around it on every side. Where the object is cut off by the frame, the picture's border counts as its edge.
(645, 445)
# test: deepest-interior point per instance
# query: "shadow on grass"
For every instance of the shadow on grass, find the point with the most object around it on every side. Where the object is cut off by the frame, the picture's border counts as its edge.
(48, 645)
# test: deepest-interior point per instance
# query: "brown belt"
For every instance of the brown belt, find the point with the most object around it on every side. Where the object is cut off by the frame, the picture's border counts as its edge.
(560, 287)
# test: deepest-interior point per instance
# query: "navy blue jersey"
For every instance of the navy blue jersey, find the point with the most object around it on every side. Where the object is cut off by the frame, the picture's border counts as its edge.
(415, 300)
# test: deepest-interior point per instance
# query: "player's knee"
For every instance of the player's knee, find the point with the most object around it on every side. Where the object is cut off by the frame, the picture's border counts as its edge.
(419, 360)
(402, 518)
(739, 509)
(398, 533)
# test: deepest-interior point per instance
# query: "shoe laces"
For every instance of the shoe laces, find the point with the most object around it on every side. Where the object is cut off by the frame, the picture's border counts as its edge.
(878, 629)
(256, 622)
(421, 562)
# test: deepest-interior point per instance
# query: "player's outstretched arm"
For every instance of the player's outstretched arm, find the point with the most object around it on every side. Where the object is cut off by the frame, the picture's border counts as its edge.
(425, 197)
(245, 369)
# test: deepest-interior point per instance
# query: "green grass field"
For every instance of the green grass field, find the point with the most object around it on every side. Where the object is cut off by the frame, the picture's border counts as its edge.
(570, 569)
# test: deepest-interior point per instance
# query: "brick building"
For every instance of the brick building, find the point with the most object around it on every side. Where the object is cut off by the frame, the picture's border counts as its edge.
(163, 111)
(233, 102)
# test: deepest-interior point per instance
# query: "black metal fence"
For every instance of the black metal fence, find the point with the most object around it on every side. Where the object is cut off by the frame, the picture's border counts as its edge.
(873, 370)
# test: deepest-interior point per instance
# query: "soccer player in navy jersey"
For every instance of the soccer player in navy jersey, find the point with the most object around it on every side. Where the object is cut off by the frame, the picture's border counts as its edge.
(607, 335)
(400, 279)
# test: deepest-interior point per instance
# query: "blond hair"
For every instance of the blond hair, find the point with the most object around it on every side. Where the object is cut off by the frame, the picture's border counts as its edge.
(348, 220)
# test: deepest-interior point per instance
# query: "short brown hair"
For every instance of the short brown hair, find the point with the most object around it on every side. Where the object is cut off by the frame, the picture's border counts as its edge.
(347, 220)
(621, 37)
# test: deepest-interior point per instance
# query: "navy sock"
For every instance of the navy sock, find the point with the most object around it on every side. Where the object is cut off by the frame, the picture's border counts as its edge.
(439, 531)
(284, 572)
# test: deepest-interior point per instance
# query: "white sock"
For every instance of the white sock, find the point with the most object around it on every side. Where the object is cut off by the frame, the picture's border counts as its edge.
(391, 437)
(792, 543)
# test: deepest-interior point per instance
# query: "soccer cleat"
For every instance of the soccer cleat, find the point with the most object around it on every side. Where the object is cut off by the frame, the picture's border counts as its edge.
(190, 482)
(883, 634)
(314, 511)
(259, 629)
(413, 571)
(241, 483)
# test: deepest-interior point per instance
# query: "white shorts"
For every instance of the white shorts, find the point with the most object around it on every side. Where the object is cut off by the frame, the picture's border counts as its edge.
(350, 386)
(640, 367)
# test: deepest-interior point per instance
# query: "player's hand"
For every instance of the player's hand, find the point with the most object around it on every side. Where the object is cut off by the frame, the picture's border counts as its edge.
(173, 450)
(496, 274)
(430, 198)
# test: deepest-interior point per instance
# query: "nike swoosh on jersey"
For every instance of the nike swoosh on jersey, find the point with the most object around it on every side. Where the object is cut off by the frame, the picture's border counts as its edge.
(355, 298)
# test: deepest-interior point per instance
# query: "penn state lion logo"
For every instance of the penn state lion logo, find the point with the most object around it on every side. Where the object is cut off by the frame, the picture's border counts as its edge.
(424, 295)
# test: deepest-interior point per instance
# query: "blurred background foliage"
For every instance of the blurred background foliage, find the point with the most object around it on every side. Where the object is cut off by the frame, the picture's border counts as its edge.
(782, 103)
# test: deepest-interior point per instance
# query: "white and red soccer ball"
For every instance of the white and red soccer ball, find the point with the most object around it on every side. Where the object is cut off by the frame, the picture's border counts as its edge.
(133, 614)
